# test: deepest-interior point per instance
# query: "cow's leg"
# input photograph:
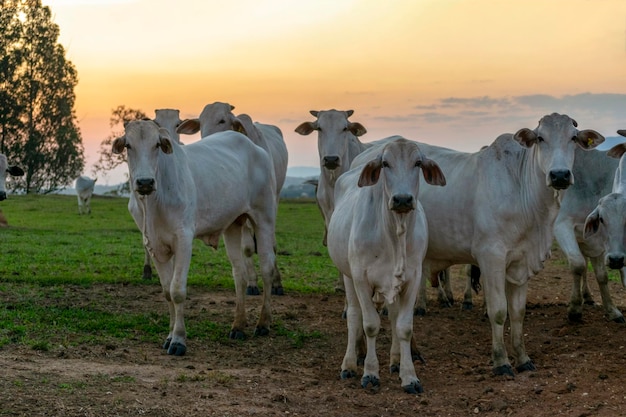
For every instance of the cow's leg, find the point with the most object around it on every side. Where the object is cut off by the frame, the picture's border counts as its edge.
(444, 288)
(173, 278)
(371, 327)
(232, 242)
(420, 302)
(493, 273)
(354, 320)
(248, 248)
(401, 320)
(602, 277)
(516, 296)
(565, 236)
(147, 269)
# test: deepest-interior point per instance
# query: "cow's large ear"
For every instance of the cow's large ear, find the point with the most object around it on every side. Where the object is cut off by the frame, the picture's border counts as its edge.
(432, 173)
(15, 171)
(118, 145)
(617, 151)
(592, 223)
(314, 113)
(357, 129)
(189, 127)
(306, 128)
(238, 126)
(526, 137)
(589, 139)
(164, 141)
(349, 113)
(371, 172)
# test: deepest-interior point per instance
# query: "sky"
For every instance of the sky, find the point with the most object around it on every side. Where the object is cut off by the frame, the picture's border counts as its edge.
(456, 73)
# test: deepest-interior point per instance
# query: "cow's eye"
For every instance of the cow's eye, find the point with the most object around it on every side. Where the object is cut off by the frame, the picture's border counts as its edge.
(127, 146)
(601, 220)
(385, 164)
(222, 121)
(540, 139)
(574, 138)
(418, 164)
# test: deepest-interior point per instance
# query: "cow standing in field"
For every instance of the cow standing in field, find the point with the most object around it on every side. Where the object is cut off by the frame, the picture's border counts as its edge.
(4, 170)
(607, 221)
(377, 237)
(203, 190)
(497, 212)
(84, 191)
(218, 117)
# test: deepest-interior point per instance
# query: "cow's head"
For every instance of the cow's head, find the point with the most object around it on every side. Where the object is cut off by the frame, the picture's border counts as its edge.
(143, 140)
(399, 164)
(215, 117)
(555, 140)
(5, 170)
(170, 120)
(609, 217)
(334, 137)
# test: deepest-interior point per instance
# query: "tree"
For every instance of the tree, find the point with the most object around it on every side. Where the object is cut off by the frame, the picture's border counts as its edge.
(40, 132)
(119, 117)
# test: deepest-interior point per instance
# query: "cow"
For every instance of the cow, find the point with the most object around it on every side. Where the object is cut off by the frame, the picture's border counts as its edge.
(5, 169)
(377, 238)
(84, 191)
(218, 117)
(498, 213)
(202, 190)
(608, 218)
(168, 119)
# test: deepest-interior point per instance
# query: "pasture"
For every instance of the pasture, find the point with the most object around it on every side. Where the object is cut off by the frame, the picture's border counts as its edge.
(81, 333)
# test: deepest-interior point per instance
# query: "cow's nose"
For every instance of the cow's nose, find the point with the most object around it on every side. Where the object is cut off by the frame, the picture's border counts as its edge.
(145, 186)
(615, 261)
(402, 203)
(560, 179)
(3, 195)
(331, 162)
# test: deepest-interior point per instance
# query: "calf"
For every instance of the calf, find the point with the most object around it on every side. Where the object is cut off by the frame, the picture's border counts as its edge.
(377, 238)
(84, 191)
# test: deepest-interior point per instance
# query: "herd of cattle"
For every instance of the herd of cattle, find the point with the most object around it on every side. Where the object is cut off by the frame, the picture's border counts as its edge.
(396, 212)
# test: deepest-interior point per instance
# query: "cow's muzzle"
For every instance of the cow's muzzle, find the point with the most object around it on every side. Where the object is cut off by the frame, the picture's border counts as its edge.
(560, 179)
(402, 203)
(144, 186)
(615, 261)
(330, 162)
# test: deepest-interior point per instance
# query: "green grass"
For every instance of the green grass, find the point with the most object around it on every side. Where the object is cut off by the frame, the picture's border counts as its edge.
(49, 250)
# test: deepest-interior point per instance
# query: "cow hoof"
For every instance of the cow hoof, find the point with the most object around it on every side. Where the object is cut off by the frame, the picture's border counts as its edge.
(467, 306)
(504, 370)
(347, 374)
(166, 345)
(147, 272)
(261, 331)
(236, 335)
(619, 319)
(575, 317)
(394, 369)
(278, 290)
(419, 312)
(414, 387)
(252, 290)
(370, 379)
(528, 366)
(177, 349)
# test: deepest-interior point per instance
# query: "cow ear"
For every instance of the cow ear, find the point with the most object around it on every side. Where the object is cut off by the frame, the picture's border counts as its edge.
(306, 128)
(238, 126)
(231, 107)
(525, 137)
(15, 171)
(357, 129)
(314, 113)
(189, 126)
(617, 151)
(432, 173)
(592, 223)
(589, 139)
(349, 113)
(164, 141)
(371, 172)
(118, 145)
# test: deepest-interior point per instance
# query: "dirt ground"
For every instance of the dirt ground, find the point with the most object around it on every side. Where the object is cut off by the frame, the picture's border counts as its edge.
(580, 367)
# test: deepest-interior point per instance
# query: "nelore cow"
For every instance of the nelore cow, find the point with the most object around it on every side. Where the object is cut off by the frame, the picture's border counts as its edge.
(608, 218)
(5, 169)
(497, 212)
(377, 238)
(84, 191)
(218, 117)
(202, 190)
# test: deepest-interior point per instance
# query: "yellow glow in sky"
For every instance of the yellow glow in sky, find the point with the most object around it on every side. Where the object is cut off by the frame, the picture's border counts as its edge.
(452, 72)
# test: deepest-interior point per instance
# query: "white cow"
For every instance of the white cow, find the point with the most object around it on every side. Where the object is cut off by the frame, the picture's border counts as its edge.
(377, 237)
(609, 217)
(84, 191)
(203, 190)
(498, 212)
(4, 170)
(218, 117)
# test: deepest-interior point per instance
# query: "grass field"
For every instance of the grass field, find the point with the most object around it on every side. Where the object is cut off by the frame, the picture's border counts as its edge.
(49, 248)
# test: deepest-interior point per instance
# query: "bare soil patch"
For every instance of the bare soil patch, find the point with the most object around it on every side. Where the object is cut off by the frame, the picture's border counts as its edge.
(580, 367)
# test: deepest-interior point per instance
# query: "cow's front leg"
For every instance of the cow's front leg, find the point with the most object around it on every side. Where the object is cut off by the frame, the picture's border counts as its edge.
(354, 320)
(516, 295)
(175, 342)
(602, 277)
(371, 328)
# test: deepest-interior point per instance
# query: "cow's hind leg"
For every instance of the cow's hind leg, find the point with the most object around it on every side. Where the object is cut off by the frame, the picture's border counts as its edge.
(264, 231)
(232, 242)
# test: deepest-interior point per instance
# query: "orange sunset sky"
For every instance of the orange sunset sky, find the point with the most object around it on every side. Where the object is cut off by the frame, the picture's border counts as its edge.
(453, 72)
